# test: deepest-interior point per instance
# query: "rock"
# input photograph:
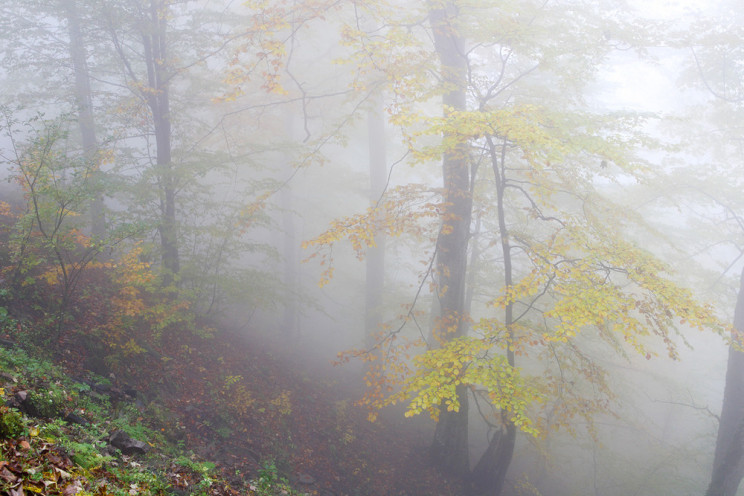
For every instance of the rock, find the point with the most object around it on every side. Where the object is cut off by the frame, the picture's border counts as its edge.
(117, 394)
(103, 389)
(34, 405)
(73, 418)
(130, 391)
(175, 491)
(127, 445)
(127, 393)
(305, 479)
(20, 401)
(8, 377)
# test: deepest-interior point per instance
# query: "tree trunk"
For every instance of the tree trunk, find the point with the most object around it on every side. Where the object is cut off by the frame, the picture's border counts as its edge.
(728, 462)
(291, 279)
(489, 474)
(155, 47)
(375, 261)
(449, 450)
(84, 102)
(473, 266)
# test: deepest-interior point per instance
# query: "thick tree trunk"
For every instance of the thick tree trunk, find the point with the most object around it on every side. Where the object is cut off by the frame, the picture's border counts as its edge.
(449, 450)
(375, 262)
(728, 462)
(84, 102)
(489, 474)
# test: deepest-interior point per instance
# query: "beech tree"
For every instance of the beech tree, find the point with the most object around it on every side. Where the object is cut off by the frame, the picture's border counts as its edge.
(33, 42)
(172, 58)
(149, 71)
(713, 182)
(84, 104)
(144, 83)
(570, 283)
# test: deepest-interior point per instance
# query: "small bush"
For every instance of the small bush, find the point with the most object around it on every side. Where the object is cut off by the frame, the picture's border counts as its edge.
(48, 403)
(11, 423)
(86, 455)
(269, 482)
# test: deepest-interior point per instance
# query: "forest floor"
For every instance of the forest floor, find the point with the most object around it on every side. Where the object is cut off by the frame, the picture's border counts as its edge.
(304, 418)
(223, 414)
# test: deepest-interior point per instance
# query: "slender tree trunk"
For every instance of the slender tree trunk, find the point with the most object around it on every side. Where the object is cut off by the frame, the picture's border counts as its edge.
(449, 450)
(375, 261)
(290, 316)
(84, 102)
(473, 267)
(155, 46)
(728, 462)
(489, 474)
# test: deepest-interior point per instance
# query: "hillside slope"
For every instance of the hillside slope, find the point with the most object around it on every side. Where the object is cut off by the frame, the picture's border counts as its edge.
(216, 416)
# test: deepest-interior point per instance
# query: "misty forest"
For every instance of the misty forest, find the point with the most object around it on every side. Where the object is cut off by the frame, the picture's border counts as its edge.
(371, 247)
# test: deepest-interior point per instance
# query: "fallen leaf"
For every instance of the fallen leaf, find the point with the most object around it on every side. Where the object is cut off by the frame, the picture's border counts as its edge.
(16, 491)
(62, 473)
(72, 489)
(7, 475)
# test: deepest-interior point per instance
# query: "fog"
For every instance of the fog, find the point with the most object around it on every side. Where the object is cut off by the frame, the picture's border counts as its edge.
(549, 193)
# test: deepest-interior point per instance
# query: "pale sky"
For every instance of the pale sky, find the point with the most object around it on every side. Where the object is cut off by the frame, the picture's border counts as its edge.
(650, 85)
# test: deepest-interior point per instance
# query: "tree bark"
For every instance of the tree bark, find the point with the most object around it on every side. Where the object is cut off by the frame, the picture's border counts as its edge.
(84, 103)
(449, 450)
(291, 313)
(728, 461)
(489, 475)
(375, 261)
(157, 95)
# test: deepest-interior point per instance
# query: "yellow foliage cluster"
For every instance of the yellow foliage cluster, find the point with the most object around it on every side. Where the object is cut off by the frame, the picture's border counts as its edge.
(263, 49)
(5, 209)
(238, 399)
(405, 210)
(132, 275)
(387, 368)
(282, 403)
(468, 362)
(141, 309)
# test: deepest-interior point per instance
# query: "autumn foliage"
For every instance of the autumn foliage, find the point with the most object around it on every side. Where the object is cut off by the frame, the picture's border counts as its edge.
(565, 284)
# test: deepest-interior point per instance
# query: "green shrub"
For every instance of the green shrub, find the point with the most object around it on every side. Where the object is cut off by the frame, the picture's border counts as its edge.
(86, 455)
(48, 403)
(269, 482)
(11, 423)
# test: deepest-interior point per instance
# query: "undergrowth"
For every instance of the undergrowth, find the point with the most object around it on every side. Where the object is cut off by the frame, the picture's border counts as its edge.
(45, 454)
